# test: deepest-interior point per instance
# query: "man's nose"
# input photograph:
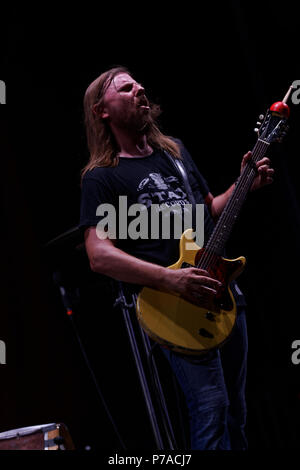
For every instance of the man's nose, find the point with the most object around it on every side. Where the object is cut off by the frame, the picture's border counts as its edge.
(139, 90)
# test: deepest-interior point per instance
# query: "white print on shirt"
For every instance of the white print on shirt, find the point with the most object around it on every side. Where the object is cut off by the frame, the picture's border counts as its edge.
(156, 181)
(161, 191)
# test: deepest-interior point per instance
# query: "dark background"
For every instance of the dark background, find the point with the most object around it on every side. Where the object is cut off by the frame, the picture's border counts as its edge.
(213, 69)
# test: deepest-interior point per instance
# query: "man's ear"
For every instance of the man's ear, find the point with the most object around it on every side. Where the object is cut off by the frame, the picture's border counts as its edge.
(104, 114)
(97, 111)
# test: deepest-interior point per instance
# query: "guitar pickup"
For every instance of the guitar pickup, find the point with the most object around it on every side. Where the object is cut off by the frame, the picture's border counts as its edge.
(186, 265)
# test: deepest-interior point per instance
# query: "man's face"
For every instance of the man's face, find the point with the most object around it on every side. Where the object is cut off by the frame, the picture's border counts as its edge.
(125, 104)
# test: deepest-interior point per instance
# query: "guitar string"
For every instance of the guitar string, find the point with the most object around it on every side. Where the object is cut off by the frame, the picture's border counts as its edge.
(209, 257)
(244, 180)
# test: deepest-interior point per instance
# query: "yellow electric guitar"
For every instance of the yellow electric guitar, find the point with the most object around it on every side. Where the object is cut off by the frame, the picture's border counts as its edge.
(179, 324)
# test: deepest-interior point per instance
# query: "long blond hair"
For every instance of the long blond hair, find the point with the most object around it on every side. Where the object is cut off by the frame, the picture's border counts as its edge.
(102, 145)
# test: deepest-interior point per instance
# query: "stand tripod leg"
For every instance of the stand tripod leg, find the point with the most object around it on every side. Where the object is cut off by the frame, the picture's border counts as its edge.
(167, 422)
(139, 365)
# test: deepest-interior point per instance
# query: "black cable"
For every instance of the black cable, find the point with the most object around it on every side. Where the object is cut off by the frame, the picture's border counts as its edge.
(96, 383)
(68, 306)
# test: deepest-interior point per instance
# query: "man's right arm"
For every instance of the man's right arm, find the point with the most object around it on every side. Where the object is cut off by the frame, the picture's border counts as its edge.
(106, 258)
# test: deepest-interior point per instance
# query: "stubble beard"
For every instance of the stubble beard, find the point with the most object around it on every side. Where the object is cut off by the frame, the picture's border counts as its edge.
(137, 123)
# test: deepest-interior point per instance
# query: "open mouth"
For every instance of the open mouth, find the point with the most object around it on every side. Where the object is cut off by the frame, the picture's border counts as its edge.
(144, 104)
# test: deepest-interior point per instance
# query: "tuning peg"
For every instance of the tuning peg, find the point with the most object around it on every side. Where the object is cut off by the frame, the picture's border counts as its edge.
(256, 130)
(261, 117)
(258, 123)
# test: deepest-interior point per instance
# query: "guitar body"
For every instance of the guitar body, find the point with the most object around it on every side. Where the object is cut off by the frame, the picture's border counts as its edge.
(181, 325)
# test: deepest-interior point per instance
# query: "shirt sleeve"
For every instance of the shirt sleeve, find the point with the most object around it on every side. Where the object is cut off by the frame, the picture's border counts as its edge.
(94, 191)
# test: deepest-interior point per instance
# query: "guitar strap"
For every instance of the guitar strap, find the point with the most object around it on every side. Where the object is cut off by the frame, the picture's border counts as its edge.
(179, 166)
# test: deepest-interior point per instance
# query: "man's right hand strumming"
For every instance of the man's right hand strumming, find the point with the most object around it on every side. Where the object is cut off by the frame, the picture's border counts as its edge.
(193, 284)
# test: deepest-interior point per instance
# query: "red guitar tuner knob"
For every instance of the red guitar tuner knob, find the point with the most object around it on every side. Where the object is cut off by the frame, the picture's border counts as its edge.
(281, 108)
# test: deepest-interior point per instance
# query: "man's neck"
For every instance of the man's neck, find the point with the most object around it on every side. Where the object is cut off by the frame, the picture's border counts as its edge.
(132, 145)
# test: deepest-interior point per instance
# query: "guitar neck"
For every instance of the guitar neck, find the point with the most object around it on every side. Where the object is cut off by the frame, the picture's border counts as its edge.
(223, 229)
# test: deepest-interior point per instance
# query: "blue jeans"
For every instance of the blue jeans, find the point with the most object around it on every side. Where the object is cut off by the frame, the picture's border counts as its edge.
(214, 388)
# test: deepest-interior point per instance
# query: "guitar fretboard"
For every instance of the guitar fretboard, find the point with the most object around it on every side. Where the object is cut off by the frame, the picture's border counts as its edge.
(223, 229)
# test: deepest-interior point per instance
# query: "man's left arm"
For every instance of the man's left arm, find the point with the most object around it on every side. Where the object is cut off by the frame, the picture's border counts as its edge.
(264, 177)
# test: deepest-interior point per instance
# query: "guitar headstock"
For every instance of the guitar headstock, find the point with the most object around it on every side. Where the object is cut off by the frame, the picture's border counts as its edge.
(274, 127)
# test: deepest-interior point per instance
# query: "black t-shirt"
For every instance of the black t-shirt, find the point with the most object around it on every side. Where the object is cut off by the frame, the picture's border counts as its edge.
(151, 180)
